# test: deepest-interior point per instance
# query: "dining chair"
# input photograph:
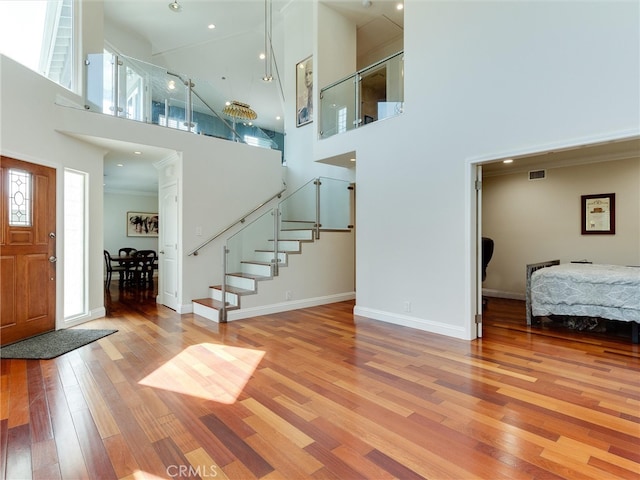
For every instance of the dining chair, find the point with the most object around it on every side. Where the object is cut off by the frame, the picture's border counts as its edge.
(110, 267)
(128, 264)
(144, 262)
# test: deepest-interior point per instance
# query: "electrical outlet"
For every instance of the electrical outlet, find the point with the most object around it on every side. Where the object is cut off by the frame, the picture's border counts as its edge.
(407, 306)
(287, 295)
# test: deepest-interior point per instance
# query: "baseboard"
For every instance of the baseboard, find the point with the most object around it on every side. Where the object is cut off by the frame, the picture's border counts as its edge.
(187, 308)
(413, 322)
(289, 305)
(487, 292)
(92, 315)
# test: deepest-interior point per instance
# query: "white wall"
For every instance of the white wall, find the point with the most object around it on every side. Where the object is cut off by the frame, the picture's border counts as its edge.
(214, 185)
(28, 118)
(535, 221)
(481, 78)
(333, 48)
(116, 206)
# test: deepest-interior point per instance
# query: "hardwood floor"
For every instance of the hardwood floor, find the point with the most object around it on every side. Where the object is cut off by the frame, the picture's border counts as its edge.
(321, 394)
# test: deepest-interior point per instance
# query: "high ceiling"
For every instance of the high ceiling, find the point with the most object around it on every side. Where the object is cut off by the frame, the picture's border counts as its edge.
(224, 61)
(182, 42)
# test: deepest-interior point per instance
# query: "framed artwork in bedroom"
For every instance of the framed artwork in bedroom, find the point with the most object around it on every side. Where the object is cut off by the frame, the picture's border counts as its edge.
(598, 214)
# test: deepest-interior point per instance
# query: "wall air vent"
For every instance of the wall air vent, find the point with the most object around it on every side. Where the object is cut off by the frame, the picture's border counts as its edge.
(537, 174)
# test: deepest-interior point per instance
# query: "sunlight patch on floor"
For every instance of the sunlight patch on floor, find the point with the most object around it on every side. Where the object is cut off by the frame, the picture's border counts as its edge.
(208, 371)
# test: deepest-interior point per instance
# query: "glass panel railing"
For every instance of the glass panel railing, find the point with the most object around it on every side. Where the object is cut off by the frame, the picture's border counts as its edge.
(373, 93)
(299, 208)
(335, 204)
(322, 203)
(133, 89)
(255, 236)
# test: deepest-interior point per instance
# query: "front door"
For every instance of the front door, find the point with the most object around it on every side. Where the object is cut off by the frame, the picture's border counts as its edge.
(27, 249)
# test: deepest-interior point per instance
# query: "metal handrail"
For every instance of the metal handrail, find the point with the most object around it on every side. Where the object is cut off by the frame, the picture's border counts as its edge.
(242, 219)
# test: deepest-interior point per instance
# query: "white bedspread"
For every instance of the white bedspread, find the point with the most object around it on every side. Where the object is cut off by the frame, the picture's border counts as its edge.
(605, 291)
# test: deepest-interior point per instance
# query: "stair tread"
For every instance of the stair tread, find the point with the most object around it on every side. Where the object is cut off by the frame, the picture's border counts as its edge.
(292, 240)
(216, 304)
(249, 275)
(256, 262)
(234, 290)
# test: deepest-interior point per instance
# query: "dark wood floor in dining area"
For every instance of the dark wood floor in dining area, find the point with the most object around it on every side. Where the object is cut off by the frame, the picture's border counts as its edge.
(321, 394)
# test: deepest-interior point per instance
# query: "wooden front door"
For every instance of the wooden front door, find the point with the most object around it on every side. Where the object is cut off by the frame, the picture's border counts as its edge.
(27, 249)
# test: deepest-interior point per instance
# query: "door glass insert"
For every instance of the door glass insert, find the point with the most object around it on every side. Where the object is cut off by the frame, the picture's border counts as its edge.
(19, 198)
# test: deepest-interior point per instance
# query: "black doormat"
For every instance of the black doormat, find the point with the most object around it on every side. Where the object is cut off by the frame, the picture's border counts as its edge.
(52, 344)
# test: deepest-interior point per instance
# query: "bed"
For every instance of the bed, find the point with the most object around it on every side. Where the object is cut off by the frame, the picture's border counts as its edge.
(610, 292)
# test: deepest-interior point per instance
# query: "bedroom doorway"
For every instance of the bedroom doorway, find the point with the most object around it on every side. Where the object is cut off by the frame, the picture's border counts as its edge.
(518, 202)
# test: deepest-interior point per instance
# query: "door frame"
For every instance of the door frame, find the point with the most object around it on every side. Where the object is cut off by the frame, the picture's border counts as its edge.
(474, 202)
(162, 274)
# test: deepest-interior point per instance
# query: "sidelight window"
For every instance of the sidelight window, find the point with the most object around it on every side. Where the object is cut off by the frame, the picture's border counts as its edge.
(75, 244)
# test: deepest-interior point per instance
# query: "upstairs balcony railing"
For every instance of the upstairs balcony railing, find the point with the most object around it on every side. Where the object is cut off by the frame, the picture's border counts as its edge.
(125, 87)
(369, 95)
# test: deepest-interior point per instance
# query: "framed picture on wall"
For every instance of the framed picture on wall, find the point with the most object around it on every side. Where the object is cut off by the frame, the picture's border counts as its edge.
(304, 92)
(140, 224)
(598, 214)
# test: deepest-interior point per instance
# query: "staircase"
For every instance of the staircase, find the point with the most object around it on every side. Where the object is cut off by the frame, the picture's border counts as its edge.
(260, 267)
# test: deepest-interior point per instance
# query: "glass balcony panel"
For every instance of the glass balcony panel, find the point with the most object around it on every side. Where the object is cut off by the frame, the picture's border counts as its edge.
(378, 93)
(147, 93)
(338, 108)
(395, 82)
(335, 204)
(99, 82)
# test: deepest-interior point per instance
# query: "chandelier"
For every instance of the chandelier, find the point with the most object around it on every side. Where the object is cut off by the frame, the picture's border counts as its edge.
(240, 111)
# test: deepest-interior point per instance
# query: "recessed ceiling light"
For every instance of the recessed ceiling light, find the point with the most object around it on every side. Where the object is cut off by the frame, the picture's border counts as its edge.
(211, 26)
(119, 165)
(399, 6)
(175, 6)
(353, 159)
(227, 103)
(508, 160)
(172, 85)
(137, 152)
(262, 56)
(278, 117)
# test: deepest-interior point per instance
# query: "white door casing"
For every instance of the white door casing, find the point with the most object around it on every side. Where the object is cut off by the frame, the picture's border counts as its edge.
(168, 275)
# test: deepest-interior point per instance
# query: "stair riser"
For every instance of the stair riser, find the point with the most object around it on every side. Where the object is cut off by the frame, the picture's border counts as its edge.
(206, 312)
(239, 282)
(285, 225)
(268, 256)
(287, 245)
(232, 298)
(297, 234)
(254, 269)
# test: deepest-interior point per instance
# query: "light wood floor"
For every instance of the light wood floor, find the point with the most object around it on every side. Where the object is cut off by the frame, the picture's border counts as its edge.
(321, 394)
